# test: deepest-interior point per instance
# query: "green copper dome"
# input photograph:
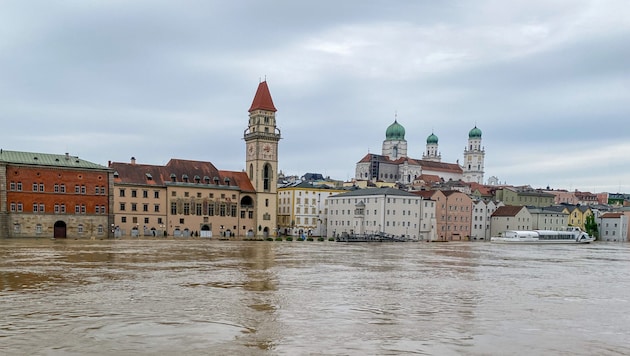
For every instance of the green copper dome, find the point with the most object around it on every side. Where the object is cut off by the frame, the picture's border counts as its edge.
(474, 133)
(395, 131)
(432, 139)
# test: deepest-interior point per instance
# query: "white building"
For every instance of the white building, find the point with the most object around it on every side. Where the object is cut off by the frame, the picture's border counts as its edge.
(510, 217)
(482, 211)
(394, 165)
(549, 218)
(613, 227)
(387, 210)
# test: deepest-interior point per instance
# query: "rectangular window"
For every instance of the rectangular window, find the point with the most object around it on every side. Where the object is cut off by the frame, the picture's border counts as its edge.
(134, 193)
(145, 193)
(35, 207)
(134, 207)
(222, 210)
(211, 209)
(63, 188)
(145, 207)
(12, 186)
(19, 186)
(156, 194)
(77, 209)
(122, 207)
(35, 187)
(121, 193)
(198, 207)
(156, 208)
(41, 187)
(250, 214)
(233, 210)
(56, 188)
(186, 208)
(63, 208)
(97, 209)
(77, 189)
(173, 208)
(13, 207)
(146, 220)
(123, 219)
(83, 209)
(42, 208)
(19, 207)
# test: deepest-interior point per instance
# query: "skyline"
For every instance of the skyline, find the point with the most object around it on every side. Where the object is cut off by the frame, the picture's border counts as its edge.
(548, 84)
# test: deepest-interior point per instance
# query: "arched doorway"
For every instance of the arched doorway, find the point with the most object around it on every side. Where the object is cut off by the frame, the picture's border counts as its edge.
(205, 231)
(266, 232)
(59, 230)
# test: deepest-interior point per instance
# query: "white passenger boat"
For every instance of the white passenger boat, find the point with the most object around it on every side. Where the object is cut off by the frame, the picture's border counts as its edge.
(571, 235)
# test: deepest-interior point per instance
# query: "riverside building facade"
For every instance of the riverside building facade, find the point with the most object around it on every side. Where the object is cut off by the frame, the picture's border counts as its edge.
(54, 196)
(193, 198)
(380, 210)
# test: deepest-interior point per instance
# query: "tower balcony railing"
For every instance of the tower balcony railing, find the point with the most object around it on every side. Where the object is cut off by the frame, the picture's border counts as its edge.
(264, 135)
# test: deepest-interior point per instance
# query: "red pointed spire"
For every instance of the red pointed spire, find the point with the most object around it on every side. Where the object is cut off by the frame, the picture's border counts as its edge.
(262, 99)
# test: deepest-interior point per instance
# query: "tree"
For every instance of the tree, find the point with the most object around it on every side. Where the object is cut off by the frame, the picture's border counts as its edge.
(591, 226)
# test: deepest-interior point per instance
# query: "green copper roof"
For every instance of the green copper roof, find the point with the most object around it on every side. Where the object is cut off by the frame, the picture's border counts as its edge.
(46, 159)
(432, 139)
(395, 131)
(474, 133)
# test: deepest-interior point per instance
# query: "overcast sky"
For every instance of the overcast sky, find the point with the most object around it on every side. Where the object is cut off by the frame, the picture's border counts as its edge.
(548, 82)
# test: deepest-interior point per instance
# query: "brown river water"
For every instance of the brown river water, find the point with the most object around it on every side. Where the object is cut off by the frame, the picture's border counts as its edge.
(207, 297)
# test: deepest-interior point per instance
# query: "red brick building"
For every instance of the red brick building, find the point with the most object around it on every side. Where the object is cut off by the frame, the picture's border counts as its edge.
(50, 195)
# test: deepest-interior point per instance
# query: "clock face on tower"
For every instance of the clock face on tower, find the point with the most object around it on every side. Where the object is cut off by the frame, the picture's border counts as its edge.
(267, 151)
(251, 151)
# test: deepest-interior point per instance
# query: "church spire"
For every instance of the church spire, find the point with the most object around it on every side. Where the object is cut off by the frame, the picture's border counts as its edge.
(262, 99)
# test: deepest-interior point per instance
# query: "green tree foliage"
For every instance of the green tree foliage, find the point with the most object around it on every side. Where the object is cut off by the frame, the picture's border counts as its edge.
(591, 226)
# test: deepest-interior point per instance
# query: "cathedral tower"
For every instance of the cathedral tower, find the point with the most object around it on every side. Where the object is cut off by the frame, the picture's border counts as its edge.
(261, 147)
(473, 157)
(395, 145)
(432, 153)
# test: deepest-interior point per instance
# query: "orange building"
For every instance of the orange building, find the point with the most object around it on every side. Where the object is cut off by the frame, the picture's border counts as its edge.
(453, 214)
(55, 196)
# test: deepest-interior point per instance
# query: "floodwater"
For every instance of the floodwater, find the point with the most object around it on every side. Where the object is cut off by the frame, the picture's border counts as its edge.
(206, 297)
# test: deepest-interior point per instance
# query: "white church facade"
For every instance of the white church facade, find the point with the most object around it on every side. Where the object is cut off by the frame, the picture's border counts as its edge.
(393, 165)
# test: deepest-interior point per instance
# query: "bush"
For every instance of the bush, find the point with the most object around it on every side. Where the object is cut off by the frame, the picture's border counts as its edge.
(278, 238)
(320, 239)
(269, 239)
(309, 239)
(289, 238)
(331, 239)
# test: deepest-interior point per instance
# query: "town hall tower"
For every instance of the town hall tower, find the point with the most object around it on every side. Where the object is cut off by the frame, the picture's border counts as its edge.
(261, 149)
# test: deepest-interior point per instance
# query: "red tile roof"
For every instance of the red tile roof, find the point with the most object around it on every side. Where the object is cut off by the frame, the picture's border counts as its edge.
(262, 99)
(431, 165)
(132, 173)
(239, 179)
(508, 210)
(611, 215)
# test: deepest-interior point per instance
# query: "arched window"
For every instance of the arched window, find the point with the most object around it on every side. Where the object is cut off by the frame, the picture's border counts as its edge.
(267, 177)
(251, 171)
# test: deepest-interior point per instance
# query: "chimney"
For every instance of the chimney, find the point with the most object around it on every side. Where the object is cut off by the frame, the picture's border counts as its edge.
(133, 161)
(67, 156)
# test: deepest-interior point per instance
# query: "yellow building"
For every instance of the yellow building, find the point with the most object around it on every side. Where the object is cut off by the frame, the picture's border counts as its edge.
(303, 208)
